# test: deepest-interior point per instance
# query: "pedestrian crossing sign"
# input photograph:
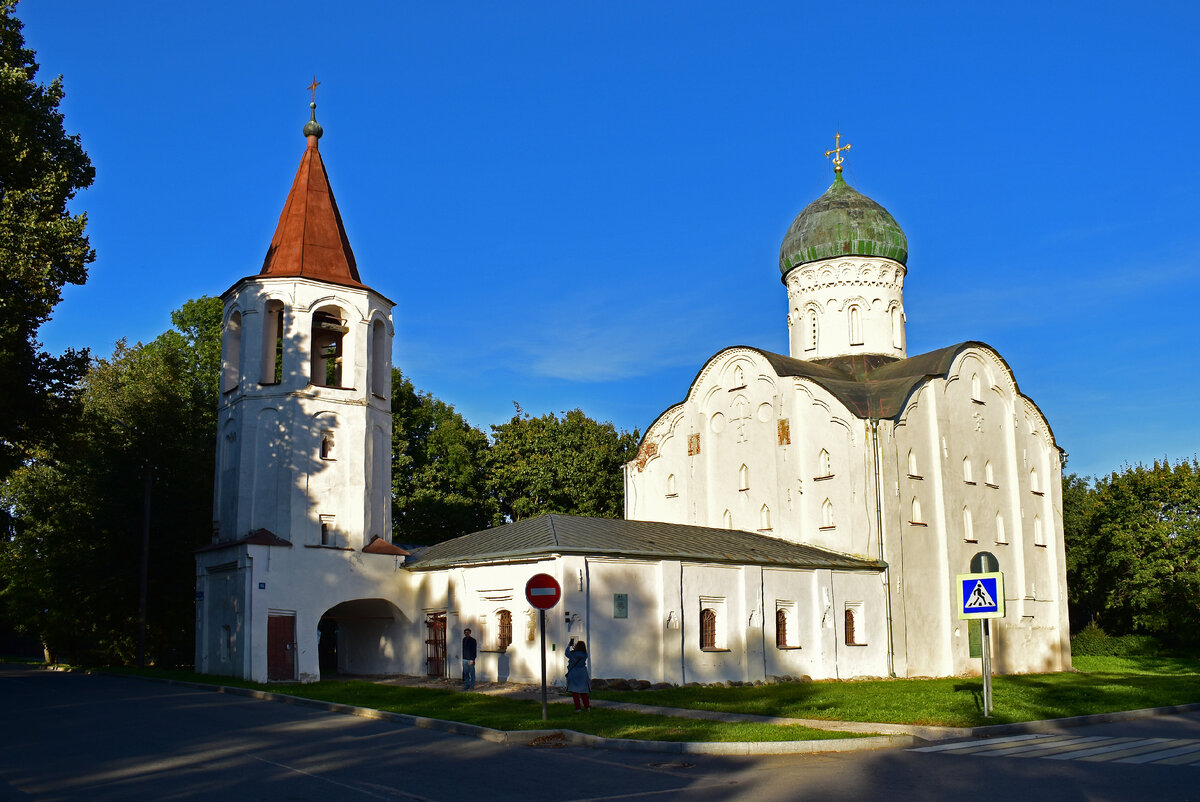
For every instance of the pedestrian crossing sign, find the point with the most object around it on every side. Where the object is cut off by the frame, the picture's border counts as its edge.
(981, 595)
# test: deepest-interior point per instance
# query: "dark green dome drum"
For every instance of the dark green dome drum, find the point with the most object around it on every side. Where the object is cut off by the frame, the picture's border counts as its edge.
(842, 222)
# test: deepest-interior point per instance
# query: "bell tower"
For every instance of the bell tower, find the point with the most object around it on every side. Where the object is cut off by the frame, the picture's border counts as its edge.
(304, 446)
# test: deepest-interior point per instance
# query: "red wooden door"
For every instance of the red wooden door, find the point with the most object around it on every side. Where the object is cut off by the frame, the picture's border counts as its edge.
(281, 648)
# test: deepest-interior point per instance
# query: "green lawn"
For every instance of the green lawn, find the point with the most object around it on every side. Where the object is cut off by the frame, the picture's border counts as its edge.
(514, 714)
(1099, 685)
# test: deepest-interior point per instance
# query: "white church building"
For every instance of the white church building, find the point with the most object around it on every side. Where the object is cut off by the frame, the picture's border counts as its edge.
(799, 515)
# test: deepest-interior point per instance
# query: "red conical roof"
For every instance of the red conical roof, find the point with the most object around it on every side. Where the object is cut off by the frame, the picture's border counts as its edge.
(310, 240)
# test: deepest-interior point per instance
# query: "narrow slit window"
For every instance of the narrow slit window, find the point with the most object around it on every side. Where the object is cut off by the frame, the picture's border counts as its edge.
(743, 478)
(764, 518)
(968, 526)
(916, 512)
(968, 472)
(856, 336)
(824, 464)
(989, 475)
(827, 515)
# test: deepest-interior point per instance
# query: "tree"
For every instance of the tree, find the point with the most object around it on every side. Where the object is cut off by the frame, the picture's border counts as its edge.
(42, 244)
(570, 465)
(438, 463)
(69, 562)
(1079, 506)
(1146, 526)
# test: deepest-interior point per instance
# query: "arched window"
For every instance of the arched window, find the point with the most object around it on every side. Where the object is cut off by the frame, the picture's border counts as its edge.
(708, 628)
(328, 331)
(916, 512)
(975, 392)
(503, 630)
(912, 464)
(1033, 481)
(810, 342)
(781, 629)
(851, 624)
(743, 478)
(897, 329)
(827, 515)
(232, 358)
(727, 520)
(1001, 535)
(739, 378)
(764, 517)
(381, 377)
(968, 473)
(989, 475)
(856, 336)
(272, 343)
(824, 464)
(1039, 535)
(671, 484)
(968, 526)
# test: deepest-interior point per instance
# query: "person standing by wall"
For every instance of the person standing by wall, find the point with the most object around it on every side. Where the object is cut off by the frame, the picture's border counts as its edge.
(469, 650)
(579, 679)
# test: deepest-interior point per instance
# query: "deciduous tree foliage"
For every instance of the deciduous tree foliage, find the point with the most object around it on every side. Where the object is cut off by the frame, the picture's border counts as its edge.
(567, 465)
(438, 463)
(69, 563)
(1133, 551)
(42, 244)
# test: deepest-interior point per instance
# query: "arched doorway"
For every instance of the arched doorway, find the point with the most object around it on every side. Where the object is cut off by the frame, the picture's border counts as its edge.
(363, 637)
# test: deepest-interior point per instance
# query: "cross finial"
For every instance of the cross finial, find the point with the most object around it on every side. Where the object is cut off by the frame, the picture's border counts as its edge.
(837, 152)
(313, 88)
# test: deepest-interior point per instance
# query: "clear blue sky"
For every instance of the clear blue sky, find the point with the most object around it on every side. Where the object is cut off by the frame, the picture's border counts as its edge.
(576, 204)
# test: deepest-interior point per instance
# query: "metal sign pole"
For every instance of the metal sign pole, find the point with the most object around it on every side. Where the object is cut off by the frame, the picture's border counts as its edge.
(987, 669)
(542, 626)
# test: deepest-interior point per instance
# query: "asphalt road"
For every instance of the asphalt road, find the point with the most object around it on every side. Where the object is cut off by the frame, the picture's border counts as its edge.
(79, 737)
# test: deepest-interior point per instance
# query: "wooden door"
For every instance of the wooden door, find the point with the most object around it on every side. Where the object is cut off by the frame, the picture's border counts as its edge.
(281, 648)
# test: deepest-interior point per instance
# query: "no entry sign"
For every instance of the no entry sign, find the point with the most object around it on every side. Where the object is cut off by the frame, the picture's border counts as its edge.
(542, 591)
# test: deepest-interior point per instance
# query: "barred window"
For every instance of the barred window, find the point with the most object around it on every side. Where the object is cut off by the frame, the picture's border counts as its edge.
(781, 637)
(708, 629)
(504, 630)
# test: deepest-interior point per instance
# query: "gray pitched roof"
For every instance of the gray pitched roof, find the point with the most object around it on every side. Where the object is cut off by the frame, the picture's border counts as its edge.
(549, 535)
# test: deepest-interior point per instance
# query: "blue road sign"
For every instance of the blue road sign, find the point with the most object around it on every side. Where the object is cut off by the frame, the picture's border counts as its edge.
(981, 595)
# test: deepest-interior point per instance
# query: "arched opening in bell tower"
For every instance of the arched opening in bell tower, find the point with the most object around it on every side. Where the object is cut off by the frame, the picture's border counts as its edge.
(328, 331)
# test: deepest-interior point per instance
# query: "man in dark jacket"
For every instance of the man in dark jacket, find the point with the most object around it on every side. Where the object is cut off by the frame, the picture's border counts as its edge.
(469, 650)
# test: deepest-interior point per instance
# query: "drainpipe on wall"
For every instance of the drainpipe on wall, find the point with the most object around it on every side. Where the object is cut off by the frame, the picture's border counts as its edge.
(887, 572)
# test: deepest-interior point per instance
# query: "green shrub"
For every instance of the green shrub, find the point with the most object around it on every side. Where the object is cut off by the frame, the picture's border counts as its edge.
(1092, 641)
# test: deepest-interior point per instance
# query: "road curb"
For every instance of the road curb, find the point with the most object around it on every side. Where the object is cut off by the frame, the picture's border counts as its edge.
(525, 737)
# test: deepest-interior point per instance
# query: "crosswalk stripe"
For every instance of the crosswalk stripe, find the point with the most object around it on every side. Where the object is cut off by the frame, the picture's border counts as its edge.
(968, 744)
(1134, 748)
(1047, 747)
(1147, 757)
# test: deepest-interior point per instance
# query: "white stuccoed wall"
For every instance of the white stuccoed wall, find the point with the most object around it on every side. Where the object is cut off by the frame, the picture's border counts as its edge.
(826, 290)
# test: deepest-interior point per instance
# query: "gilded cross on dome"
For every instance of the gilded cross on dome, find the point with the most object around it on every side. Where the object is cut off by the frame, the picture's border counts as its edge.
(313, 88)
(837, 152)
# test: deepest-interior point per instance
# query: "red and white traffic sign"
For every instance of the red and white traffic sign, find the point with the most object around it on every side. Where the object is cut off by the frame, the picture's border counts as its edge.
(542, 591)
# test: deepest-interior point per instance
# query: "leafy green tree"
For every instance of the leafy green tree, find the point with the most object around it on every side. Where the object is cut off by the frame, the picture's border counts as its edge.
(1146, 525)
(438, 463)
(42, 244)
(69, 566)
(569, 465)
(1079, 506)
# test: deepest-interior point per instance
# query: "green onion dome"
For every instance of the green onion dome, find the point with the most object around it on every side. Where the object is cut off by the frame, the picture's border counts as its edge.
(842, 222)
